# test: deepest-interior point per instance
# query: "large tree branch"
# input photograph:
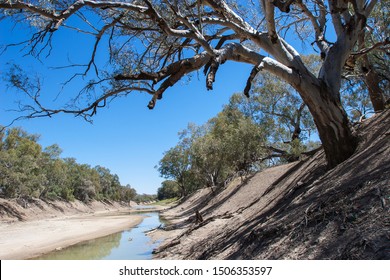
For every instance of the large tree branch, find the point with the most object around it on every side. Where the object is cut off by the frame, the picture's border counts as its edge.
(347, 36)
(163, 73)
(336, 17)
(19, 5)
(224, 15)
(171, 73)
(268, 8)
(232, 51)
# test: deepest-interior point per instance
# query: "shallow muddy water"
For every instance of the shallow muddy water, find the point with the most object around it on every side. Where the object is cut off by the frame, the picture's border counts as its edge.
(130, 244)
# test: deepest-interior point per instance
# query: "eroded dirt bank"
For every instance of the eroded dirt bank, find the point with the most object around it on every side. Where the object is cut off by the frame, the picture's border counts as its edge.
(295, 211)
(26, 210)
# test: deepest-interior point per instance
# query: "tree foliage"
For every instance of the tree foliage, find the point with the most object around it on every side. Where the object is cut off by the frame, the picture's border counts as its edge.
(208, 155)
(168, 189)
(28, 171)
(282, 115)
(145, 198)
(176, 162)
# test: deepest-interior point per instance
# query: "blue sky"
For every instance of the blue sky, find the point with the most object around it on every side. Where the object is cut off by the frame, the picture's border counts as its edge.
(126, 136)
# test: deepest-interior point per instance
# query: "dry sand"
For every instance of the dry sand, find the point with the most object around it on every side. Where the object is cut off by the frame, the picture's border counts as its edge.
(23, 240)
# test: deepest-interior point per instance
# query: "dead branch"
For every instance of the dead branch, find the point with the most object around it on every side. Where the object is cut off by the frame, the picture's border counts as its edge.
(252, 76)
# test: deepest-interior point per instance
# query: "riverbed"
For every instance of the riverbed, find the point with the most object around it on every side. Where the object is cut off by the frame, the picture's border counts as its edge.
(45, 231)
(131, 244)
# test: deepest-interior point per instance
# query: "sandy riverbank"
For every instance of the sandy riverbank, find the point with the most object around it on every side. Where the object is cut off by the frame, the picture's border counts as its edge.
(23, 240)
(28, 231)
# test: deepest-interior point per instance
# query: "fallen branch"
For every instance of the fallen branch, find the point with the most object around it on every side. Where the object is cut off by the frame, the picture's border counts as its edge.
(166, 246)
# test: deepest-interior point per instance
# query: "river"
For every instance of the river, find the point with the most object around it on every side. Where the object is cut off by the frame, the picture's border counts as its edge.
(132, 244)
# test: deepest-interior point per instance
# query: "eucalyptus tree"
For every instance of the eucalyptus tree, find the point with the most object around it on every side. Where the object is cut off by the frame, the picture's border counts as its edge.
(208, 155)
(109, 183)
(236, 140)
(168, 189)
(127, 193)
(176, 163)
(55, 171)
(210, 160)
(20, 165)
(153, 44)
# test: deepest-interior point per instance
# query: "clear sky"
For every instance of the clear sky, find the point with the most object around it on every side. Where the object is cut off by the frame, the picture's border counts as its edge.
(126, 136)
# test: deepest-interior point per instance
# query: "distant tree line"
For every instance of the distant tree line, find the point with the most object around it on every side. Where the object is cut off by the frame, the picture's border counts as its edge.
(145, 198)
(29, 171)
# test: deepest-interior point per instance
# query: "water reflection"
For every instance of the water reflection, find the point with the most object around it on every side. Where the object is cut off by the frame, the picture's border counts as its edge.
(131, 244)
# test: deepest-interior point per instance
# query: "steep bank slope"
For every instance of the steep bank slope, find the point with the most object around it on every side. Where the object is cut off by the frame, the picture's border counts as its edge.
(12, 210)
(295, 211)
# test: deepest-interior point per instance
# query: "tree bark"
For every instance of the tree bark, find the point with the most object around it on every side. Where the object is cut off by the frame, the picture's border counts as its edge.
(372, 81)
(335, 134)
(333, 126)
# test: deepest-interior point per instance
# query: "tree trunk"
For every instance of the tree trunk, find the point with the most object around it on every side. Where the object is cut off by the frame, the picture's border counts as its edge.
(182, 187)
(330, 118)
(372, 81)
(333, 127)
